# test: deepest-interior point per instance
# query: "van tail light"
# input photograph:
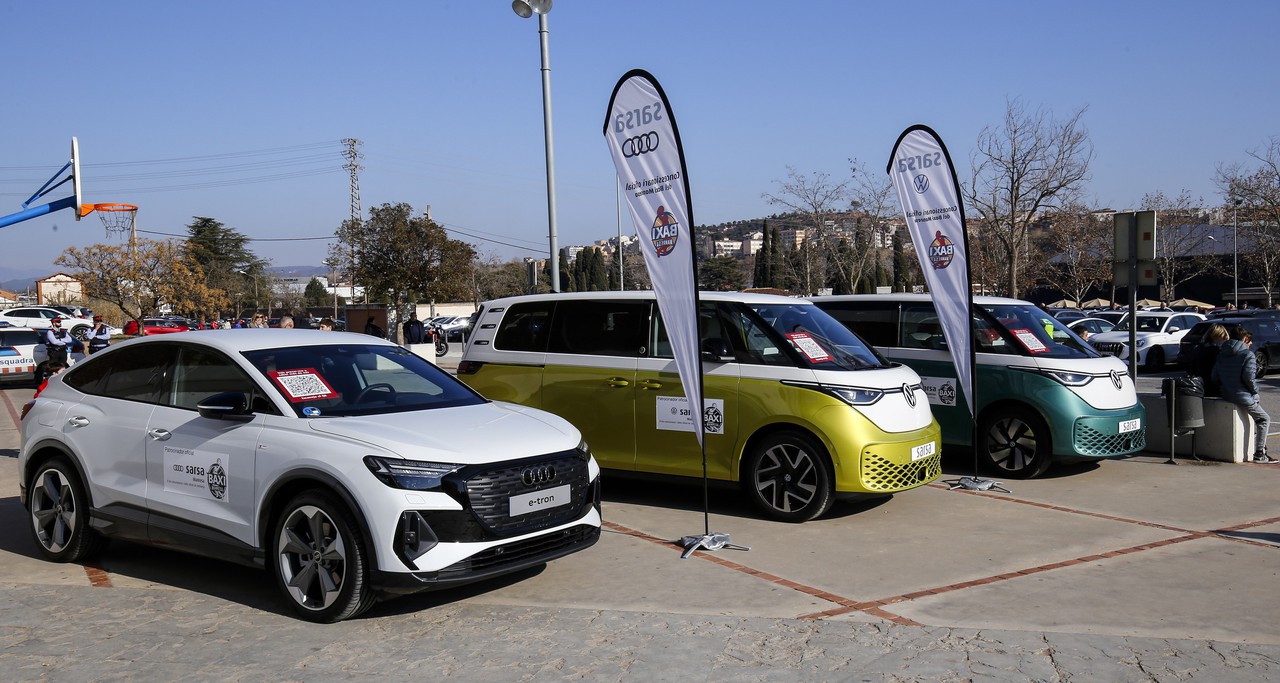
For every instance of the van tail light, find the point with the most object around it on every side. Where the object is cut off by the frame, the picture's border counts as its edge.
(469, 367)
(26, 408)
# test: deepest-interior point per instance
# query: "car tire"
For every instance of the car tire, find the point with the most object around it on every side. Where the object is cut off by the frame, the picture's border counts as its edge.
(1262, 360)
(1014, 442)
(788, 476)
(80, 332)
(319, 559)
(59, 510)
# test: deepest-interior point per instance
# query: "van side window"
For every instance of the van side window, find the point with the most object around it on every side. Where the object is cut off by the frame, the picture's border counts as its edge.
(921, 328)
(525, 327)
(875, 322)
(600, 328)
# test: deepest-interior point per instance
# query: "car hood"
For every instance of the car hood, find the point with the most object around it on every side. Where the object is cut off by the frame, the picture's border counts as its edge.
(1121, 336)
(465, 434)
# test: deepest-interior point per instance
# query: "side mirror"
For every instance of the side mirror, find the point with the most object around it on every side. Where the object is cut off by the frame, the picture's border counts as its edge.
(1174, 328)
(717, 350)
(229, 405)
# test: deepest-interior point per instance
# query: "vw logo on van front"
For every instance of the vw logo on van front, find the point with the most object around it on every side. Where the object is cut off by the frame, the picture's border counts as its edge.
(910, 394)
(539, 474)
(1115, 379)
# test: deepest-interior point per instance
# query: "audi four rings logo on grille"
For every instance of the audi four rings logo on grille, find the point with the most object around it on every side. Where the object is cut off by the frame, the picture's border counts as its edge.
(541, 474)
(641, 144)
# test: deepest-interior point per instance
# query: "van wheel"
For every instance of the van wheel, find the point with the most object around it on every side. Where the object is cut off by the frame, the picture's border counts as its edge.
(788, 476)
(1015, 442)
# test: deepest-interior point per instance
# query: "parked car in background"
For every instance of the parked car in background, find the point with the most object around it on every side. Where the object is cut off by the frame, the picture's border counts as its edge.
(1158, 335)
(74, 311)
(1266, 340)
(347, 467)
(39, 317)
(154, 326)
(454, 326)
(1068, 315)
(18, 347)
(1112, 316)
(1091, 325)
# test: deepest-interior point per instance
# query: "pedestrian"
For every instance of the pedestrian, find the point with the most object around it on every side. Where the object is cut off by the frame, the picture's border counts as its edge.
(259, 321)
(286, 322)
(1205, 355)
(1235, 371)
(51, 368)
(414, 330)
(57, 341)
(99, 336)
(371, 328)
(326, 324)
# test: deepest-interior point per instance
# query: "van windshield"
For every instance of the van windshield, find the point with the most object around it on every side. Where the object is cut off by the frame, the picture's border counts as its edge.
(808, 334)
(1026, 330)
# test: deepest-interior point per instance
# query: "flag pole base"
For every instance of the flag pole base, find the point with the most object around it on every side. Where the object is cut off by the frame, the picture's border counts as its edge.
(975, 484)
(710, 541)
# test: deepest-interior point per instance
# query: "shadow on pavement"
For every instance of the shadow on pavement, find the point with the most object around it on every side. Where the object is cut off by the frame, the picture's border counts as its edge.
(723, 499)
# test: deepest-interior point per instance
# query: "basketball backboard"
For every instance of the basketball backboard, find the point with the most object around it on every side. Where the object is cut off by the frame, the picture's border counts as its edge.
(75, 177)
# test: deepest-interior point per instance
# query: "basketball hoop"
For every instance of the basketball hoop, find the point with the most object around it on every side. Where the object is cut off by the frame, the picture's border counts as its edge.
(117, 218)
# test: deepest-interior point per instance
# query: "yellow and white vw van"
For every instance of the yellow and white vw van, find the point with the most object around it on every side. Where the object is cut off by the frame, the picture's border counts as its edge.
(796, 408)
(1044, 394)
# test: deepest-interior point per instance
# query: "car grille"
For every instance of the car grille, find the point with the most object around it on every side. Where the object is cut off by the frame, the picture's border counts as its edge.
(1090, 441)
(523, 552)
(881, 474)
(1111, 348)
(488, 493)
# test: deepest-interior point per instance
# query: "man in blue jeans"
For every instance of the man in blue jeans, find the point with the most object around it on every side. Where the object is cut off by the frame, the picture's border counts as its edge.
(1235, 372)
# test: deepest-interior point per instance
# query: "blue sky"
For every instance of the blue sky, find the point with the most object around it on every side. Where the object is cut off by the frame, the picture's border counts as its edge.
(446, 96)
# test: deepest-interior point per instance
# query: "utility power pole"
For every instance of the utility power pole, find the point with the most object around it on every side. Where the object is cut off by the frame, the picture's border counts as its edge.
(353, 157)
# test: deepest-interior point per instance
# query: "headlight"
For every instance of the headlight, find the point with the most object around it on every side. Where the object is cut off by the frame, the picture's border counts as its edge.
(409, 474)
(1142, 343)
(856, 396)
(1071, 379)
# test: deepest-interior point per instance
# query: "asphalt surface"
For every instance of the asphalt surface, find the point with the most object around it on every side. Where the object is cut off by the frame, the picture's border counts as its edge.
(1127, 570)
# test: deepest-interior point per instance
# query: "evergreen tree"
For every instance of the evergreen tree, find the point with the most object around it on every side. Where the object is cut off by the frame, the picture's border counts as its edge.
(597, 276)
(901, 269)
(760, 273)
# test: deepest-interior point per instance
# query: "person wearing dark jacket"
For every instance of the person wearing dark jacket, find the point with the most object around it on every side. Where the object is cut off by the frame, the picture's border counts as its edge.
(1235, 373)
(414, 330)
(1205, 355)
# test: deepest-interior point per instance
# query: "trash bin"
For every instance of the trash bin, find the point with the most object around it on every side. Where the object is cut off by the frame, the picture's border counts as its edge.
(1184, 402)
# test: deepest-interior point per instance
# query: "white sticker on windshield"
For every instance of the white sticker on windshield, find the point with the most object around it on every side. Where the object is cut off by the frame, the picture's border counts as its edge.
(809, 347)
(1029, 340)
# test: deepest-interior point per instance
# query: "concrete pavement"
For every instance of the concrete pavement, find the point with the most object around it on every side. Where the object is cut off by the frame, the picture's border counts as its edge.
(1129, 570)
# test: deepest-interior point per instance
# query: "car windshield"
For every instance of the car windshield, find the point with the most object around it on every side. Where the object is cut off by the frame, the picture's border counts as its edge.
(1026, 330)
(1146, 323)
(817, 339)
(354, 379)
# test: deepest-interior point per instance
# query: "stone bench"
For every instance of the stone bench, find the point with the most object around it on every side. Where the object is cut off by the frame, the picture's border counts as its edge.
(1227, 434)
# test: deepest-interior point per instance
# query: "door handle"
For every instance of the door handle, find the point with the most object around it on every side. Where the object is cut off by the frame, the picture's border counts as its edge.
(650, 384)
(159, 434)
(78, 421)
(617, 382)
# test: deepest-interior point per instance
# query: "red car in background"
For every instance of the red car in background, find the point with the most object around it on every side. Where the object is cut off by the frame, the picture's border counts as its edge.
(154, 326)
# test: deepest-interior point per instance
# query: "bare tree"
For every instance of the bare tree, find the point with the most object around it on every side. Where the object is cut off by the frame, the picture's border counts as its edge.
(815, 198)
(1032, 163)
(1181, 230)
(1083, 248)
(876, 205)
(143, 277)
(1253, 196)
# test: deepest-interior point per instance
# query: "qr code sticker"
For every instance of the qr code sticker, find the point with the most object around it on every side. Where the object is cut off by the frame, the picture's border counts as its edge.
(303, 384)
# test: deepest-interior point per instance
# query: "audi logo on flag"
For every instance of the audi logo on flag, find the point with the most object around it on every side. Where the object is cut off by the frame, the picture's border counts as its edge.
(640, 144)
(540, 474)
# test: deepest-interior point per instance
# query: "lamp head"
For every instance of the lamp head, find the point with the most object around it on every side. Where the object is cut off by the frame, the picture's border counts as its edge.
(528, 8)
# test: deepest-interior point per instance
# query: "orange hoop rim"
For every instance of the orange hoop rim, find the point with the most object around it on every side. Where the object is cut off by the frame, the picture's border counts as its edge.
(109, 207)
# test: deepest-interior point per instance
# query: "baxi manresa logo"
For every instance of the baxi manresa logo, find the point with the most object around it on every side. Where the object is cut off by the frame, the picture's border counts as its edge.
(216, 478)
(666, 232)
(941, 251)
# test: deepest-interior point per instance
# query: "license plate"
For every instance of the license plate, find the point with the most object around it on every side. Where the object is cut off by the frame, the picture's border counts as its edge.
(525, 503)
(1127, 426)
(923, 451)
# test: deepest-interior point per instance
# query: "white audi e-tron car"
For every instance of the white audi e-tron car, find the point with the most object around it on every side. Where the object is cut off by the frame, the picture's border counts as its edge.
(348, 467)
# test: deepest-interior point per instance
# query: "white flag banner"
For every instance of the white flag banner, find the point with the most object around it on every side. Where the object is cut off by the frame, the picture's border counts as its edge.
(925, 179)
(645, 144)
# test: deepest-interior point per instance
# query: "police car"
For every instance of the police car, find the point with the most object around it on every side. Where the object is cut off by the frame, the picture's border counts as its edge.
(18, 353)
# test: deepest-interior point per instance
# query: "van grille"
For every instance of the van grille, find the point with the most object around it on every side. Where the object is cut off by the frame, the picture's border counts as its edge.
(881, 474)
(1090, 441)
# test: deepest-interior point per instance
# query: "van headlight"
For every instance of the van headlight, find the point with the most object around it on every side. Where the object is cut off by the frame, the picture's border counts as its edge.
(414, 475)
(854, 396)
(1070, 379)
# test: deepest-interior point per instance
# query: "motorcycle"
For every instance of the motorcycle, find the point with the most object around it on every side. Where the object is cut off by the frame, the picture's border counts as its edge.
(436, 334)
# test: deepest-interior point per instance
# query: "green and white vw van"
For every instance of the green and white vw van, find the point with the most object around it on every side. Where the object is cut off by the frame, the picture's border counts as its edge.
(797, 409)
(1044, 394)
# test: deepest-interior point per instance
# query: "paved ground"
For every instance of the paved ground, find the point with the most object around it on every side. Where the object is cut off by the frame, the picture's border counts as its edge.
(1128, 570)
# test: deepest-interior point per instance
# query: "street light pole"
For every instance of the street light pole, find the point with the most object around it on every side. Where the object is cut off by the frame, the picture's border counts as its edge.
(527, 8)
(1235, 251)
